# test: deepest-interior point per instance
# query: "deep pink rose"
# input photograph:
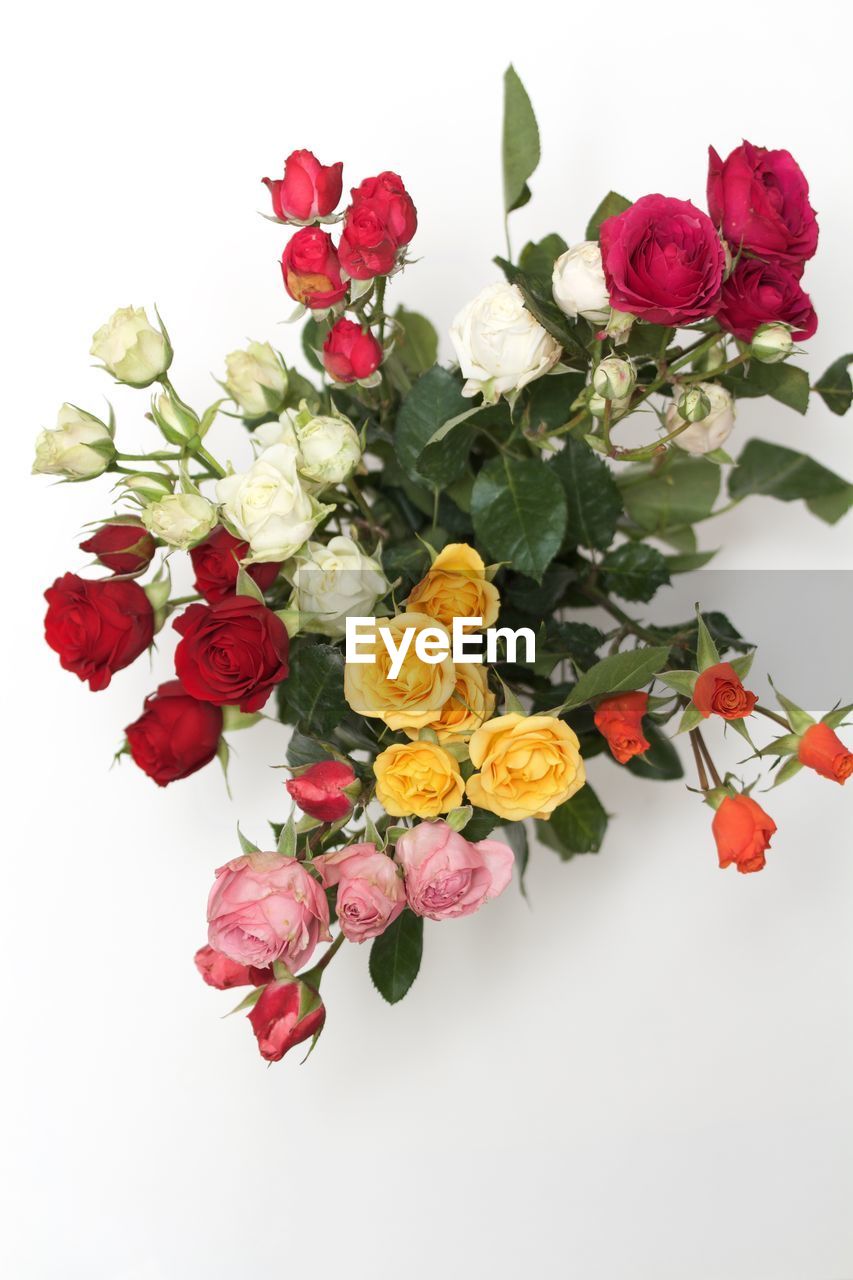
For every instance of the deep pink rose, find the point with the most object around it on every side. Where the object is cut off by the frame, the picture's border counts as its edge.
(760, 201)
(350, 353)
(319, 790)
(308, 189)
(663, 261)
(311, 269)
(447, 875)
(263, 907)
(287, 1013)
(759, 293)
(370, 889)
(380, 220)
(223, 973)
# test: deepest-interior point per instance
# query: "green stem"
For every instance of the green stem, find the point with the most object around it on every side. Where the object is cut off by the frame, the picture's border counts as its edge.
(771, 715)
(330, 954)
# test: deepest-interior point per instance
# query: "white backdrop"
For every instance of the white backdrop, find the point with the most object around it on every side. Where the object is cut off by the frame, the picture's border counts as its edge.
(645, 1073)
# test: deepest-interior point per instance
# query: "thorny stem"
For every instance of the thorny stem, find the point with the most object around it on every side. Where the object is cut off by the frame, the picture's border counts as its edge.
(771, 715)
(718, 782)
(697, 756)
(330, 954)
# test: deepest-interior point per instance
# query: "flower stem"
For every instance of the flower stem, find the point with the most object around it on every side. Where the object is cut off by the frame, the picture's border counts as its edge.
(330, 954)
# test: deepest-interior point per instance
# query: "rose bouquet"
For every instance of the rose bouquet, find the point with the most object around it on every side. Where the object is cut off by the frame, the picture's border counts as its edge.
(430, 574)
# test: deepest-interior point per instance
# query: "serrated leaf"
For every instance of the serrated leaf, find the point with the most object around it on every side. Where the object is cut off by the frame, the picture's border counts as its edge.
(520, 141)
(519, 513)
(835, 387)
(661, 763)
(435, 399)
(395, 956)
(417, 346)
(611, 205)
(593, 500)
(634, 571)
(618, 673)
(578, 826)
(515, 835)
(784, 382)
(771, 469)
(678, 494)
(314, 690)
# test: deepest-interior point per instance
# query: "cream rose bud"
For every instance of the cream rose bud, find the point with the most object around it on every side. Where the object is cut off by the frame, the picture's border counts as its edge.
(713, 430)
(578, 283)
(256, 380)
(771, 343)
(180, 519)
(132, 350)
(79, 447)
(613, 378)
(174, 418)
(329, 449)
(499, 345)
(334, 582)
(268, 507)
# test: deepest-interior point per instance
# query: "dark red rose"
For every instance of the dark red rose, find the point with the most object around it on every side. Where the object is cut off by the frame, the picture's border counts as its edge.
(175, 735)
(380, 220)
(286, 1014)
(319, 790)
(311, 270)
(663, 261)
(232, 652)
(759, 293)
(308, 189)
(760, 201)
(224, 973)
(97, 627)
(216, 562)
(350, 353)
(125, 547)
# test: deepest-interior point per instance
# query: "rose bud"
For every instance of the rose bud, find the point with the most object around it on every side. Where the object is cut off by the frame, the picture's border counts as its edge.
(180, 519)
(79, 447)
(311, 269)
(256, 380)
(287, 1013)
(175, 735)
(370, 889)
(97, 628)
(578, 283)
(264, 907)
(743, 832)
(216, 563)
(760, 201)
(719, 691)
(760, 293)
(771, 343)
(619, 719)
(694, 405)
(308, 189)
(221, 972)
(366, 248)
(387, 197)
(821, 749)
(707, 433)
(597, 405)
(613, 378)
(324, 790)
(123, 547)
(232, 653)
(132, 350)
(350, 353)
(448, 876)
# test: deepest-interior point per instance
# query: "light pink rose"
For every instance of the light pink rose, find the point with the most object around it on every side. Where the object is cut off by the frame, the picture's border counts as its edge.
(263, 907)
(447, 875)
(370, 889)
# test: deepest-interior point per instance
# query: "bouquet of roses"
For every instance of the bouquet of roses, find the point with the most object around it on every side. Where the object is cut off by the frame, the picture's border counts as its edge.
(430, 573)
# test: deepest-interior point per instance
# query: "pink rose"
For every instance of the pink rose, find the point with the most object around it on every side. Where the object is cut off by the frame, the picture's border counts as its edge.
(287, 1013)
(370, 889)
(760, 200)
(308, 189)
(223, 973)
(263, 907)
(447, 875)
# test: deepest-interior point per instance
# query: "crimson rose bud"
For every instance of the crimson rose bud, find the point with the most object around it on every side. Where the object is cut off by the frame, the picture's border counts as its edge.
(222, 972)
(319, 791)
(620, 720)
(287, 1013)
(760, 201)
(387, 197)
(175, 735)
(123, 548)
(719, 691)
(97, 627)
(232, 652)
(308, 189)
(216, 562)
(743, 832)
(380, 220)
(758, 293)
(311, 270)
(350, 353)
(821, 749)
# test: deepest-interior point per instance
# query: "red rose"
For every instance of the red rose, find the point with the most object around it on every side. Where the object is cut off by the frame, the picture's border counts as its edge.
(760, 201)
(97, 627)
(311, 270)
(380, 220)
(319, 791)
(719, 691)
(123, 547)
(216, 562)
(759, 293)
(388, 198)
(743, 832)
(821, 749)
(175, 735)
(286, 1014)
(350, 353)
(620, 720)
(308, 189)
(232, 653)
(663, 261)
(224, 973)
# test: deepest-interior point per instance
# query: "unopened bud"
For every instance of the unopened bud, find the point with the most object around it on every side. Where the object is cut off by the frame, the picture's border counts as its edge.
(175, 419)
(771, 343)
(619, 326)
(148, 488)
(694, 405)
(598, 405)
(613, 378)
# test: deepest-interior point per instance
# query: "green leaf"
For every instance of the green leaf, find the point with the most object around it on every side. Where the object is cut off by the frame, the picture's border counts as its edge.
(314, 334)
(682, 682)
(618, 673)
(692, 716)
(837, 716)
(302, 750)
(833, 506)
(481, 825)
(540, 303)
(787, 475)
(680, 493)
(787, 745)
(789, 769)
(245, 843)
(286, 844)
(395, 956)
(519, 513)
(520, 142)
(578, 826)
(549, 401)
(707, 653)
(835, 387)
(784, 382)
(537, 259)
(314, 690)
(515, 835)
(634, 571)
(435, 399)
(688, 562)
(612, 204)
(417, 345)
(661, 763)
(648, 339)
(593, 500)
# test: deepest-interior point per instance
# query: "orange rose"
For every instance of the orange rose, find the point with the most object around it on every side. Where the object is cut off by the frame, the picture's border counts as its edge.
(456, 587)
(742, 831)
(619, 719)
(821, 749)
(719, 691)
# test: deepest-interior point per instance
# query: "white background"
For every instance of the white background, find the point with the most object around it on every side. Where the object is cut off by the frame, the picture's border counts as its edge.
(648, 1071)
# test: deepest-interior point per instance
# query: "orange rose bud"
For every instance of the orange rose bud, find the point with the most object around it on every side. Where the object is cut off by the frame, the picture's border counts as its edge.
(719, 691)
(742, 831)
(821, 749)
(619, 720)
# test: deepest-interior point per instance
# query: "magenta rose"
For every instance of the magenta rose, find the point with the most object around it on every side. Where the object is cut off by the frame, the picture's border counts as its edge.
(370, 889)
(263, 907)
(449, 876)
(221, 972)
(308, 189)
(759, 293)
(760, 201)
(663, 261)
(287, 1013)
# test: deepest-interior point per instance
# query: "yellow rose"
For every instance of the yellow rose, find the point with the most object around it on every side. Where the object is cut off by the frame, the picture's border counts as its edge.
(471, 702)
(414, 698)
(528, 766)
(456, 587)
(417, 778)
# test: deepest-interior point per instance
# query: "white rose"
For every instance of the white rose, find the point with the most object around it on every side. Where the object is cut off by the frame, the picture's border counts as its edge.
(281, 432)
(329, 449)
(256, 380)
(132, 350)
(714, 430)
(78, 447)
(174, 418)
(499, 345)
(578, 283)
(180, 519)
(268, 507)
(331, 583)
